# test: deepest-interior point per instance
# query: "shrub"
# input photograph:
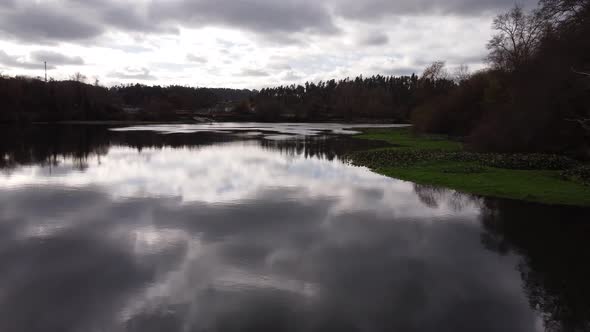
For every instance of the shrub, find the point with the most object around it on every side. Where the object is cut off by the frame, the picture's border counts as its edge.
(579, 174)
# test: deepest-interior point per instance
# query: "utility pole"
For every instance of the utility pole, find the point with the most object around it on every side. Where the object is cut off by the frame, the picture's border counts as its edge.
(45, 71)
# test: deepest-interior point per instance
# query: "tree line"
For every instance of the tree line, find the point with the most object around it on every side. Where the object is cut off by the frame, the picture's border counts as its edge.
(377, 97)
(26, 99)
(534, 96)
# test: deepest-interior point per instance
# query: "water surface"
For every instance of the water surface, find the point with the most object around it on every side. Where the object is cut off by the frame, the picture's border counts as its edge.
(232, 229)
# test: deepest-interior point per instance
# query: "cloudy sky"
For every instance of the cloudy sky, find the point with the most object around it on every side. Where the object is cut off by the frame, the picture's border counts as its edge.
(240, 43)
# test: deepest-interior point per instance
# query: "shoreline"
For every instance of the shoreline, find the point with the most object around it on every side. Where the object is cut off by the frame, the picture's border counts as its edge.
(431, 160)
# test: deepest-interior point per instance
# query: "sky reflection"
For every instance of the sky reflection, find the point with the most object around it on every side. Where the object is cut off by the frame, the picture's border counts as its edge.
(238, 236)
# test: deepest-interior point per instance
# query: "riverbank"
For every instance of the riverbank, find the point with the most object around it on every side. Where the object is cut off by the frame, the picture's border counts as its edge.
(438, 161)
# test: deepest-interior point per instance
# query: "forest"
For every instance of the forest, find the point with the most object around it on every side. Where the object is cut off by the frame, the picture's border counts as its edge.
(534, 95)
(28, 100)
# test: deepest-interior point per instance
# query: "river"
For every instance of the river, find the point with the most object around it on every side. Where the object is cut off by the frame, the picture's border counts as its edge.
(264, 227)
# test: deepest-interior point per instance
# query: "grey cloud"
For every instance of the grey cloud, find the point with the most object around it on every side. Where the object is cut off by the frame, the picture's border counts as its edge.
(55, 58)
(370, 9)
(466, 59)
(260, 16)
(375, 39)
(74, 20)
(254, 73)
(14, 62)
(7, 4)
(277, 21)
(43, 24)
(131, 73)
(398, 70)
(450, 59)
(125, 17)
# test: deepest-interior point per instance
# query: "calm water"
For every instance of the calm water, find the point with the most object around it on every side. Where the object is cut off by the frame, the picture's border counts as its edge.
(198, 228)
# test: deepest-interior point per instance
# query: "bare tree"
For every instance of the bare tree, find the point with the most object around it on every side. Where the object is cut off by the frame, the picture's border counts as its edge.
(78, 77)
(435, 71)
(517, 39)
(461, 73)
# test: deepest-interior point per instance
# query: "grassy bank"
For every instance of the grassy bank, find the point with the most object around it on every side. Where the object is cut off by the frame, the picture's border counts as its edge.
(438, 161)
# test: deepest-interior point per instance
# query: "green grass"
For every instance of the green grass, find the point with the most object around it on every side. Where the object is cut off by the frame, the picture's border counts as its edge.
(403, 139)
(543, 186)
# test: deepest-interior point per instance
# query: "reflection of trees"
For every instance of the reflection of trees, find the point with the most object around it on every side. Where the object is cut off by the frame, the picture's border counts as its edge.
(433, 197)
(553, 243)
(49, 145)
(323, 147)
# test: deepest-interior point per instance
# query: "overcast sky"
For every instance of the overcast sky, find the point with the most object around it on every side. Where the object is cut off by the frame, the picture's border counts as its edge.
(240, 43)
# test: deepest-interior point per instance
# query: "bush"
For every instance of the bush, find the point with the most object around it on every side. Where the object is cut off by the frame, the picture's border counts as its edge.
(579, 174)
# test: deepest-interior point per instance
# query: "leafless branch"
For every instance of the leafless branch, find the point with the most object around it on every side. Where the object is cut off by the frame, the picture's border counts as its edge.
(584, 123)
(580, 72)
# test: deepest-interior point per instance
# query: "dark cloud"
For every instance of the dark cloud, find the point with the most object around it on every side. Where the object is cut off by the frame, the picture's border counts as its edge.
(15, 62)
(125, 17)
(261, 16)
(42, 23)
(55, 58)
(74, 20)
(371, 9)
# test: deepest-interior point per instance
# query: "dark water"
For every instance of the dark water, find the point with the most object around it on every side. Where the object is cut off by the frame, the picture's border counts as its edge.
(145, 231)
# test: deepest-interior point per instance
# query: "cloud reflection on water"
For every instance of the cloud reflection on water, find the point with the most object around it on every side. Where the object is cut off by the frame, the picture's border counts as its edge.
(235, 237)
(230, 172)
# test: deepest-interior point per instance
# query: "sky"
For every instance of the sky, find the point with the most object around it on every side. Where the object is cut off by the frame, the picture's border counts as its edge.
(241, 43)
